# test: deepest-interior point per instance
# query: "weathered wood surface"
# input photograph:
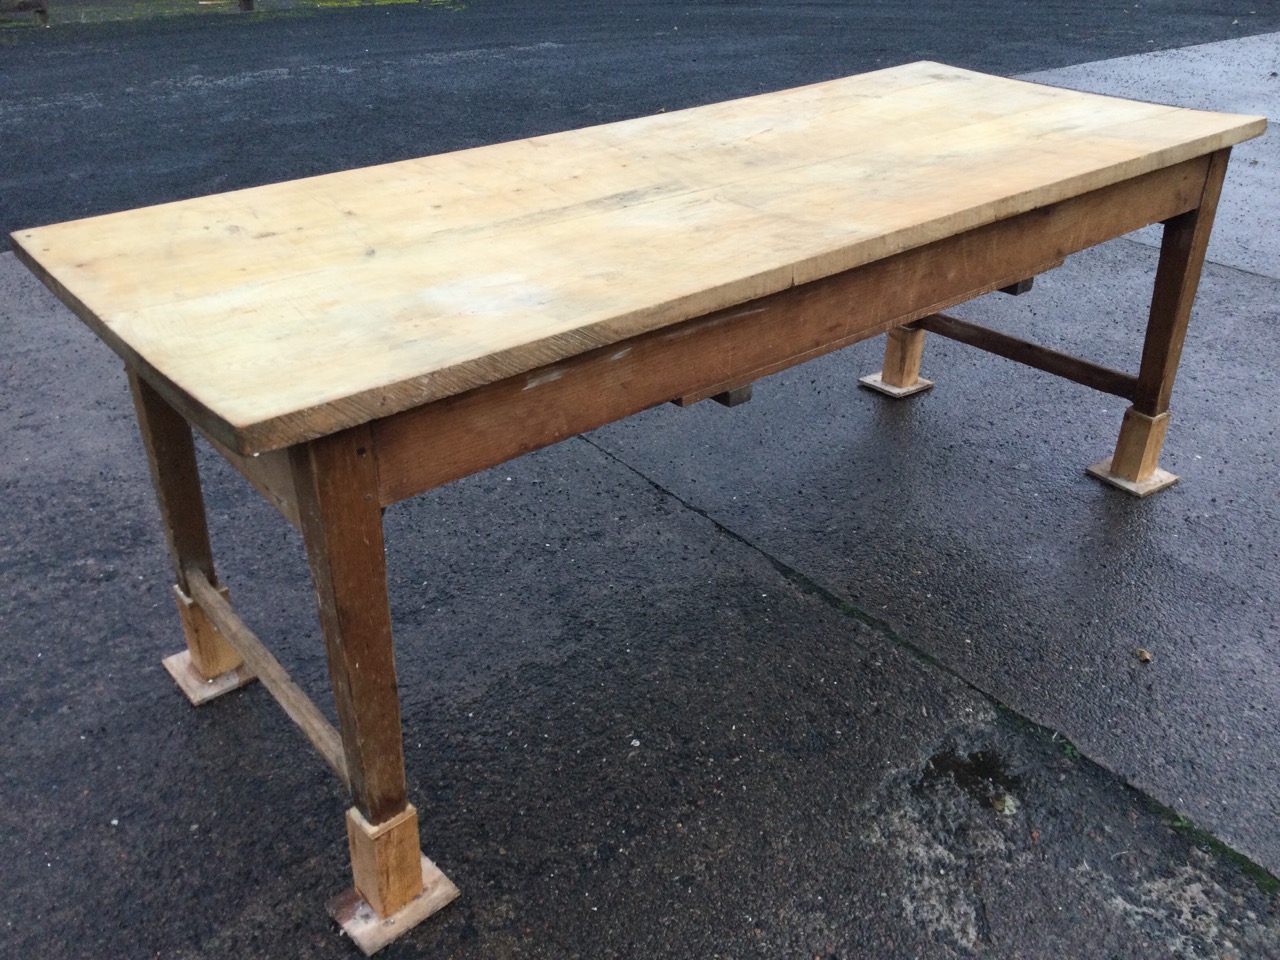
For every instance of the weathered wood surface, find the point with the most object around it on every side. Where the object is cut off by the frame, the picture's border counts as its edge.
(1134, 467)
(1182, 252)
(270, 473)
(902, 355)
(175, 475)
(385, 859)
(291, 311)
(335, 482)
(443, 441)
(370, 932)
(208, 649)
(299, 707)
(1094, 375)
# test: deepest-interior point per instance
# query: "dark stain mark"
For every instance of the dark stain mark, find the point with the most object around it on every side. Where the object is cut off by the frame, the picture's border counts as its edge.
(983, 775)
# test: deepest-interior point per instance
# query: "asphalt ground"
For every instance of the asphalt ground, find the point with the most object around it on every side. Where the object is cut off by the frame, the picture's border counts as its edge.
(749, 682)
(121, 114)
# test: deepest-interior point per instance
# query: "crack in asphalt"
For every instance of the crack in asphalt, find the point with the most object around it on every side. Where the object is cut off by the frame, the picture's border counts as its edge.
(803, 581)
(884, 629)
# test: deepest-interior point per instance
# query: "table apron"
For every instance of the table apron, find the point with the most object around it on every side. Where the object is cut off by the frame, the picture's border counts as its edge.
(270, 473)
(423, 448)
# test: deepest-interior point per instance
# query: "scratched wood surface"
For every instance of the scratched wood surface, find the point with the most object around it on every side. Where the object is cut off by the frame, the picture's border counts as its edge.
(281, 313)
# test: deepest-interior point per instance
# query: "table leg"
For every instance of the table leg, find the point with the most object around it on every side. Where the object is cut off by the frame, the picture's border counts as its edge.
(1134, 465)
(900, 374)
(395, 886)
(210, 666)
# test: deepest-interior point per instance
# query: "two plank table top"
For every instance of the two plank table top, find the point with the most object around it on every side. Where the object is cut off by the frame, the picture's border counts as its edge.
(350, 340)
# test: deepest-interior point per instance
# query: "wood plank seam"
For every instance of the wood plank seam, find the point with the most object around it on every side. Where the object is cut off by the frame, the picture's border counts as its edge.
(570, 280)
(451, 438)
(1024, 148)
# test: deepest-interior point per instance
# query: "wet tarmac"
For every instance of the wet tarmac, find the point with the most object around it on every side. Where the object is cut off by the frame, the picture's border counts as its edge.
(818, 676)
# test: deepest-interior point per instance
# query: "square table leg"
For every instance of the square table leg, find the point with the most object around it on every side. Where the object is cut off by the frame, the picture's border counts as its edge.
(395, 887)
(900, 374)
(210, 666)
(1134, 466)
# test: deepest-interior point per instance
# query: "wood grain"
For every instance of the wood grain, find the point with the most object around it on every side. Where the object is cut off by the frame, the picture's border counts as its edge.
(1084, 372)
(385, 859)
(270, 474)
(452, 438)
(175, 475)
(295, 703)
(342, 528)
(370, 932)
(1137, 453)
(291, 311)
(208, 651)
(1182, 250)
(903, 350)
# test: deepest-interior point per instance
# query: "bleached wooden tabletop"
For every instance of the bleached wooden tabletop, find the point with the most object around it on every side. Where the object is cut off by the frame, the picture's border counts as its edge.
(293, 310)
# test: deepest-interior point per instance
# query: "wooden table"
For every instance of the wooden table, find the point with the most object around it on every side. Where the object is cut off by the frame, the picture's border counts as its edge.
(350, 340)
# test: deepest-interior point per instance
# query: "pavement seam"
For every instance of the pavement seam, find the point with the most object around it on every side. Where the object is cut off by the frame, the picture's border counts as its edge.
(1175, 819)
(804, 582)
(1217, 265)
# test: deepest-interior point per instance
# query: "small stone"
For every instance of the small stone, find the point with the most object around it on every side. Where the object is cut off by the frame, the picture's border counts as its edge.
(1004, 804)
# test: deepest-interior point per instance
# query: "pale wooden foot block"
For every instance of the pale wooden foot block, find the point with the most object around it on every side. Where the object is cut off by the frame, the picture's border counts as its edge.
(370, 932)
(874, 382)
(197, 688)
(211, 653)
(384, 859)
(1140, 488)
